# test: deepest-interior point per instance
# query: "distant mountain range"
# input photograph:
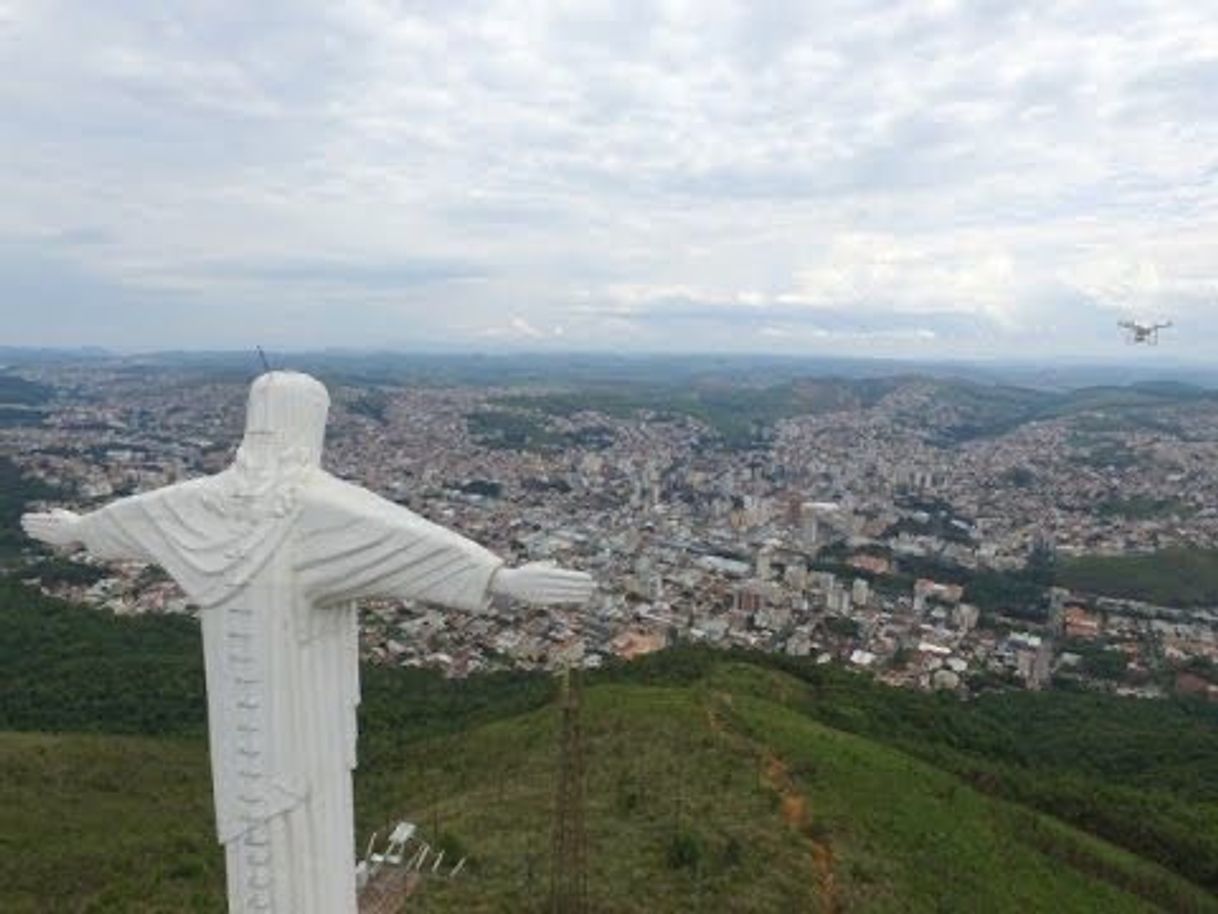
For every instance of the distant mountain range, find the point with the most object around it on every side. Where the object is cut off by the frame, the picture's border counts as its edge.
(1144, 365)
(951, 410)
(739, 397)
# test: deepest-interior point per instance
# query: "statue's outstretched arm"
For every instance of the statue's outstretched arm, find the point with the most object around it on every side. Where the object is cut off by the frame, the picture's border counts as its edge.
(100, 531)
(543, 584)
(356, 544)
(55, 528)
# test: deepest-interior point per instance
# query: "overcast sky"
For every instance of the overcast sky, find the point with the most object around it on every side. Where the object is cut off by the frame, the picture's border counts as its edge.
(924, 179)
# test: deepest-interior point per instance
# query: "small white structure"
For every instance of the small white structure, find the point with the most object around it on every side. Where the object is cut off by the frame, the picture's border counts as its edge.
(398, 839)
(275, 552)
(394, 853)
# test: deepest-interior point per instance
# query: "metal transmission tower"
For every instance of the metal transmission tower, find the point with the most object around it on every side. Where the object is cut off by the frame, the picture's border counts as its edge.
(568, 869)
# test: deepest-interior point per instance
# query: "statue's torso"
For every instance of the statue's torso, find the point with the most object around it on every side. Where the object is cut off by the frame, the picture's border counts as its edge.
(282, 686)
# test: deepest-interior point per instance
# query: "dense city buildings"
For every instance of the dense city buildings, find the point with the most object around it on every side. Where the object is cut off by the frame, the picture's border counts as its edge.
(885, 531)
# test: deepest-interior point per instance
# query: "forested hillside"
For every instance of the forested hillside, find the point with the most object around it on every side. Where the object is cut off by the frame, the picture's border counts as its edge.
(16, 490)
(715, 782)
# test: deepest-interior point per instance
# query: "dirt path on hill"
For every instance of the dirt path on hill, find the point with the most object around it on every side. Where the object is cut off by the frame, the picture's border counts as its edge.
(795, 812)
(793, 804)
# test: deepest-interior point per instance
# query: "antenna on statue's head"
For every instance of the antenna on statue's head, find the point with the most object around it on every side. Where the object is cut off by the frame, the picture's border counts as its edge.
(262, 355)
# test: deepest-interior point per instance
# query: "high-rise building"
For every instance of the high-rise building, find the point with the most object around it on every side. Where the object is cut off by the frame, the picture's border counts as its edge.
(860, 592)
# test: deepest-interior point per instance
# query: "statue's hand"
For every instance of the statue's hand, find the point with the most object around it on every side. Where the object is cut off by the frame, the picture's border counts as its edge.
(58, 527)
(543, 584)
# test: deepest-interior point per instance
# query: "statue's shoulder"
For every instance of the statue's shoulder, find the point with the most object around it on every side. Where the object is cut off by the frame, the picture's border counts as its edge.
(327, 491)
(197, 484)
(174, 491)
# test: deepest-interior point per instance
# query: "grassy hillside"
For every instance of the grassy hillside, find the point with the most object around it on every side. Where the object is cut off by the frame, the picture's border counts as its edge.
(708, 799)
(715, 782)
(106, 824)
(699, 798)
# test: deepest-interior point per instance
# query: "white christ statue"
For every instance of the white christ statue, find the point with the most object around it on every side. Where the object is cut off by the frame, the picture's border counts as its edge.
(275, 551)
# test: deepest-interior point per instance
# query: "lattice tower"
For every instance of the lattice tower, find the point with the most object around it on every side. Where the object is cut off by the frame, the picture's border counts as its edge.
(568, 873)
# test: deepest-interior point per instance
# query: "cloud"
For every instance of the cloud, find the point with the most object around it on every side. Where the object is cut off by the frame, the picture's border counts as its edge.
(1117, 283)
(969, 172)
(401, 273)
(520, 331)
(883, 272)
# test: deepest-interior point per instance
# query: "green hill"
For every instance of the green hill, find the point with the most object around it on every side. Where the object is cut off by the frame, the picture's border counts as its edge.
(699, 798)
(710, 798)
(953, 409)
(715, 782)
(106, 823)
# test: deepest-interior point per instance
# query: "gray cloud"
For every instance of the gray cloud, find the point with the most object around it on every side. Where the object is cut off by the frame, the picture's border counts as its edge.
(401, 273)
(774, 322)
(965, 172)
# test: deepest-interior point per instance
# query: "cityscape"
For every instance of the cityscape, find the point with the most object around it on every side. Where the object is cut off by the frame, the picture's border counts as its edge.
(905, 527)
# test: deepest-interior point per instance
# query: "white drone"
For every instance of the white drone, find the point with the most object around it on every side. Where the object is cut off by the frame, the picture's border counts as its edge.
(1143, 331)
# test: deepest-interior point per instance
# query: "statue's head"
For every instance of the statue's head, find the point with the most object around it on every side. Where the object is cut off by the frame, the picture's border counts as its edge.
(285, 424)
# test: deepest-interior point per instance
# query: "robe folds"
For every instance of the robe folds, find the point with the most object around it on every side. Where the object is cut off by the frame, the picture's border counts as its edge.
(276, 586)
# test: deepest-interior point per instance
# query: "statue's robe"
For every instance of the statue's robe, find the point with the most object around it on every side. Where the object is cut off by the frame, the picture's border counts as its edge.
(276, 591)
